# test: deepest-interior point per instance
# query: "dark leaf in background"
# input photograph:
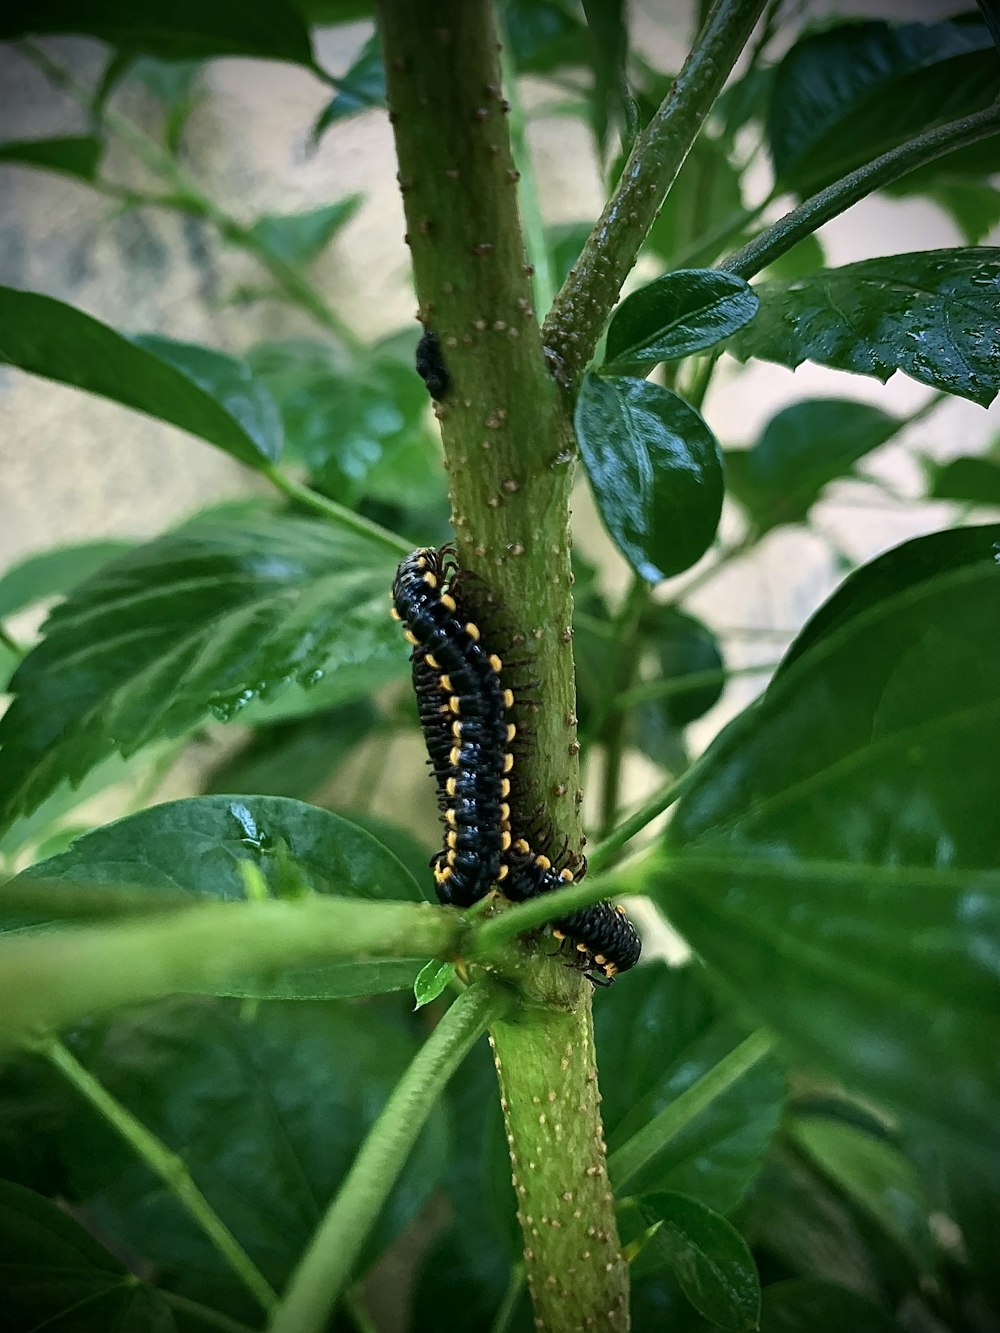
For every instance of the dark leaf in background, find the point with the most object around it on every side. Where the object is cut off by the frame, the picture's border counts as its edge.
(705, 194)
(172, 29)
(843, 876)
(544, 35)
(804, 259)
(843, 96)
(79, 157)
(200, 622)
(655, 469)
(682, 312)
(46, 337)
(358, 425)
(801, 449)
(57, 1276)
(709, 1257)
(607, 21)
(268, 1112)
(969, 480)
(820, 1307)
(566, 240)
(657, 1037)
(198, 845)
(53, 573)
(931, 314)
(685, 647)
(960, 183)
(362, 87)
(331, 13)
(299, 238)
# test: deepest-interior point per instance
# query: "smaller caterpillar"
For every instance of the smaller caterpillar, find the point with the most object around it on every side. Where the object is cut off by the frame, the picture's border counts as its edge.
(431, 367)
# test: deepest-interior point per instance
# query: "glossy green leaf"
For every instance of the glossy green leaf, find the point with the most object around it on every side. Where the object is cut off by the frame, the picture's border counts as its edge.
(682, 312)
(655, 469)
(298, 238)
(709, 1257)
(267, 1109)
(876, 1175)
(358, 424)
(79, 156)
(845, 95)
(53, 573)
(820, 1307)
(432, 980)
(902, 568)
(544, 35)
(830, 863)
(969, 480)
(198, 623)
(46, 337)
(704, 196)
(200, 846)
(56, 1275)
(931, 314)
(362, 87)
(173, 29)
(655, 1038)
(801, 449)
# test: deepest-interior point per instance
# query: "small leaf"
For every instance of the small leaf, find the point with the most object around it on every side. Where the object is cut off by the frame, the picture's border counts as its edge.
(843, 96)
(931, 314)
(173, 29)
(214, 616)
(362, 87)
(834, 854)
(79, 156)
(432, 980)
(56, 1275)
(969, 480)
(682, 312)
(298, 238)
(656, 472)
(53, 573)
(803, 448)
(203, 845)
(820, 1307)
(710, 1259)
(48, 338)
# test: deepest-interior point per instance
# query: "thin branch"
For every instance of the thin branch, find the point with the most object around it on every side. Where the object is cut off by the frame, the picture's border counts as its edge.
(338, 513)
(588, 295)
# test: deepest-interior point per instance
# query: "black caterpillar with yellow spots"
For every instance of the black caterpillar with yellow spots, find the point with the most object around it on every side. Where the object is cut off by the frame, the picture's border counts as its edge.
(463, 706)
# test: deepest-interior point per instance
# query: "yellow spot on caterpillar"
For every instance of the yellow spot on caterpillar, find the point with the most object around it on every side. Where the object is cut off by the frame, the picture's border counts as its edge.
(558, 934)
(473, 632)
(599, 959)
(505, 787)
(522, 847)
(443, 874)
(456, 728)
(451, 838)
(581, 948)
(543, 862)
(508, 698)
(502, 874)
(504, 812)
(495, 663)
(454, 703)
(446, 684)
(609, 970)
(394, 613)
(449, 601)
(430, 579)
(454, 756)
(451, 856)
(511, 731)
(451, 786)
(432, 662)
(508, 762)
(566, 875)
(449, 817)
(504, 840)
(410, 637)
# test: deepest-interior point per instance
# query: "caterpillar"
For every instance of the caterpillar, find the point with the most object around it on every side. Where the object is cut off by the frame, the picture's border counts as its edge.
(431, 367)
(463, 704)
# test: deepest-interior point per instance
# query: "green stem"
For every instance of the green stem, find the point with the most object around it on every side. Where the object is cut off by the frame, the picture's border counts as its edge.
(875, 175)
(207, 1316)
(704, 250)
(606, 851)
(340, 514)
(633, 1155)
(535, 240)
(325, 1268)
(680, 685)
(609, 724)
(354, 1307)
(508, 1306)
(582, 307)
(167, 1165)
(190, 198)
(725, 557)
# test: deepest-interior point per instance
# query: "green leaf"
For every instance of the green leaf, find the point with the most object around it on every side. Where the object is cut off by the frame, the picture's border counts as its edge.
(53, 573)
(432, 980)
(876, 1175)
(843, 96)
(969, 479)
(803, 448)
(705, 194)
(267, 1112)
(57, 1276)
(803, 260)
(682, 312)
(710, 1258)
(905, 566)
(607, 23)
(543, 35)
(565, 241)
(199, 846)
(48, 338)
(833, 857)
(78, 156)
(299, 238)
(173, 29)
(931, 314)
(655, 1039)
(685, 646)
(362, 87)
(199, 622)
(820, 1307)
(960, 183)
(656, 472)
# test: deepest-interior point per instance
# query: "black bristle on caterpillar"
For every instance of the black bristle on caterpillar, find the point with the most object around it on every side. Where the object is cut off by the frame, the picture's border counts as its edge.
(431, 367)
